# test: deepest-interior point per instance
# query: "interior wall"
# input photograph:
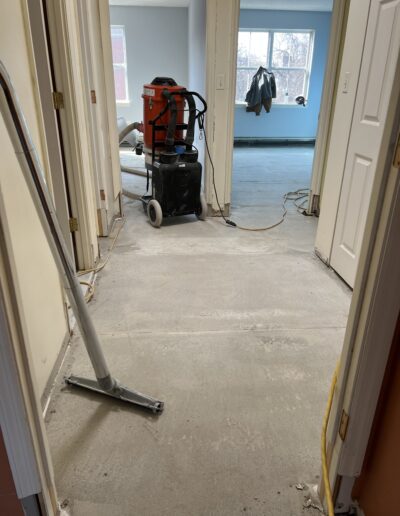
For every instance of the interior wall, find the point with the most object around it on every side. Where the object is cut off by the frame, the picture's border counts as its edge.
(41, 293)
(284, 121)
(156, 45)
(197, 57)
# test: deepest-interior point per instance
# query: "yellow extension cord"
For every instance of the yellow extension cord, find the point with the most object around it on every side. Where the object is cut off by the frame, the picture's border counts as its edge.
(328, 491)
(325, 474)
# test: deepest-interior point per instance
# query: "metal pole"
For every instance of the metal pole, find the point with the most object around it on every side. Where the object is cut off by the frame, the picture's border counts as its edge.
(34, 177)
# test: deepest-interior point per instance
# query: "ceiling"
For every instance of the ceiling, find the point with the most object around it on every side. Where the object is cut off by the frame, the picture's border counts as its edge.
(151, 3)
(282, 5)
(288, 5)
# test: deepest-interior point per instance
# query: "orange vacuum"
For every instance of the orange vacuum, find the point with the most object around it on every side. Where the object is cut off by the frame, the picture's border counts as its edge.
(169, 118)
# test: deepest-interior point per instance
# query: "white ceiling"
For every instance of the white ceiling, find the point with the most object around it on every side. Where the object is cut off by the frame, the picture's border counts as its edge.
(283, 5)
(151, 3)
(288, 5)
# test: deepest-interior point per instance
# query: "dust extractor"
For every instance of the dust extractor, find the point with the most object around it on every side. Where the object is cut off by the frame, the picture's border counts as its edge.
(171, 159)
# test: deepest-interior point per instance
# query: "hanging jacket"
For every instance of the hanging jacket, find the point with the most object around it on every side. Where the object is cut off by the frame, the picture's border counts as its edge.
(261, 92)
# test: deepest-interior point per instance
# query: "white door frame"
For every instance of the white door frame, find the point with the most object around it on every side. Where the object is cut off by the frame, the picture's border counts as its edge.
(222, 37)
(342, 117)
(103, 148)
(50, 123)
(67, 59)
(331, 80)
(222, 24)
(109, 95)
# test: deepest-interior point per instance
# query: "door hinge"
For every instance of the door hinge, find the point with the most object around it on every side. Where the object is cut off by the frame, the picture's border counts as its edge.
(102, 195)
(58, 100)
(93, 96)
(344, 423)
(315, 204)
(73, 224)
(396, 159)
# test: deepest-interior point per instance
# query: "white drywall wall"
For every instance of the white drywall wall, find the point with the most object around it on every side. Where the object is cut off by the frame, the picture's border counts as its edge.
(156, 45)
(197, 58)
(42, 303)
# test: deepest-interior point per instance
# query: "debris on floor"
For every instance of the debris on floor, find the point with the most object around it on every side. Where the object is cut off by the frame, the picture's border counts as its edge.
(311, 500)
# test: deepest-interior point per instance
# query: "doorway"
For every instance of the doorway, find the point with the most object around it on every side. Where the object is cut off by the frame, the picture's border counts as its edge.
(168, 30)
(282, 54)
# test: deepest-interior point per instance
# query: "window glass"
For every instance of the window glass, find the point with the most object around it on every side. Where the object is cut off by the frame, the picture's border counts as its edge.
(289, 84)
(119, 62)
(253, 49)
(289, 60)
(290, 49)
(120, 83)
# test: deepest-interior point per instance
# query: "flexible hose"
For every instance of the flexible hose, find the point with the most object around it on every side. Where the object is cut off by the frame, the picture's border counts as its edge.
(127, 130)
(134, 171)
(325, 473)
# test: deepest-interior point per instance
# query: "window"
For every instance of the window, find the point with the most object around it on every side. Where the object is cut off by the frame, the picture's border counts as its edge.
(119, 63)
(287, 54)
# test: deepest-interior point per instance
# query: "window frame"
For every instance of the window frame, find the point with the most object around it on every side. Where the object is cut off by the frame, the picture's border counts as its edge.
(123, 66)
(306, 68)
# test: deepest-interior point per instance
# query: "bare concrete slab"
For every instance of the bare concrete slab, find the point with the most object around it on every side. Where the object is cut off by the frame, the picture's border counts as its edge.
(238, 333)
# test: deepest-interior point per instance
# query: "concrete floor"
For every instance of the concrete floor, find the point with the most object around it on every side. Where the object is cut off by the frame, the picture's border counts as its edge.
(238, 332)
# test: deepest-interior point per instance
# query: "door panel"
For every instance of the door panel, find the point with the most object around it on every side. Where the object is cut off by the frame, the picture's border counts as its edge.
(378, 68)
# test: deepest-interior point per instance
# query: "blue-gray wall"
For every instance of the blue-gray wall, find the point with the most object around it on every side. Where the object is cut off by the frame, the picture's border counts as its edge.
(197, 58)
(156, 45)
(287, 121)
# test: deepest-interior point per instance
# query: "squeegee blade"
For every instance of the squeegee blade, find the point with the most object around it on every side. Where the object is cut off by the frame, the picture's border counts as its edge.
(119, 393)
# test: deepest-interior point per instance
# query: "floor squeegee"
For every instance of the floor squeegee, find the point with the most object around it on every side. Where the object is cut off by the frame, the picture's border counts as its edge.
(26, 153)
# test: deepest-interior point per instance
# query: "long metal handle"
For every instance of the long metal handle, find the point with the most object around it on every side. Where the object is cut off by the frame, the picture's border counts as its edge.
(34, 177)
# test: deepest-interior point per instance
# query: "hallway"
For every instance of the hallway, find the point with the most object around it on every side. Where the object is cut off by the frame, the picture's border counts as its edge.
(238, 333)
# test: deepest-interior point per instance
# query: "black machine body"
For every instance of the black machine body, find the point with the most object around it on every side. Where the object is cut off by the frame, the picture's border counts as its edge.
(173, 162)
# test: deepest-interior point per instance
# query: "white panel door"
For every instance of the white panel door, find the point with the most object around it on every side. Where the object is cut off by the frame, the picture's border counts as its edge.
(379, 62)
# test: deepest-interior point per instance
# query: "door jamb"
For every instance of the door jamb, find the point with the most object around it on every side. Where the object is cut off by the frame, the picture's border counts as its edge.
(221, 15)
(62, 19)
(331, 82)
(42, 70)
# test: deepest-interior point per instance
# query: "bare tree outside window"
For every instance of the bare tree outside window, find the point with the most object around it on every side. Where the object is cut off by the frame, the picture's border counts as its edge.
(287, 54)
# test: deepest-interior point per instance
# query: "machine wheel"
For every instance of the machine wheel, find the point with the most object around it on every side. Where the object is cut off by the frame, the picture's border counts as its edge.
(203, 208)
(154, 212)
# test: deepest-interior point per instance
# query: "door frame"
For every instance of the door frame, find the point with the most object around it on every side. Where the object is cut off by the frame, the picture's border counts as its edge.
(50, 122)
(221, 63)
(104, 147)
(222, 25)
(342, 118)
(329, 91)
(65, 38)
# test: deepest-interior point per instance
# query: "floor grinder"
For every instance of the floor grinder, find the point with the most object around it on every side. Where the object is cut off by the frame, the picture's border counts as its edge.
(171, 159)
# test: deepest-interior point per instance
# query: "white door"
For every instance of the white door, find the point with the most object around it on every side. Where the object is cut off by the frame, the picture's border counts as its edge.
(381, 52)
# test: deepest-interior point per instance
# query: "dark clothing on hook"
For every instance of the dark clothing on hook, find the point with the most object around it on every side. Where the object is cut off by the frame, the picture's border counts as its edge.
(261, 92)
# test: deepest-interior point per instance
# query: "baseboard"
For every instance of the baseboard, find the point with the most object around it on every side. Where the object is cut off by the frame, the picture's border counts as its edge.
(44, 399)
(253, 141)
